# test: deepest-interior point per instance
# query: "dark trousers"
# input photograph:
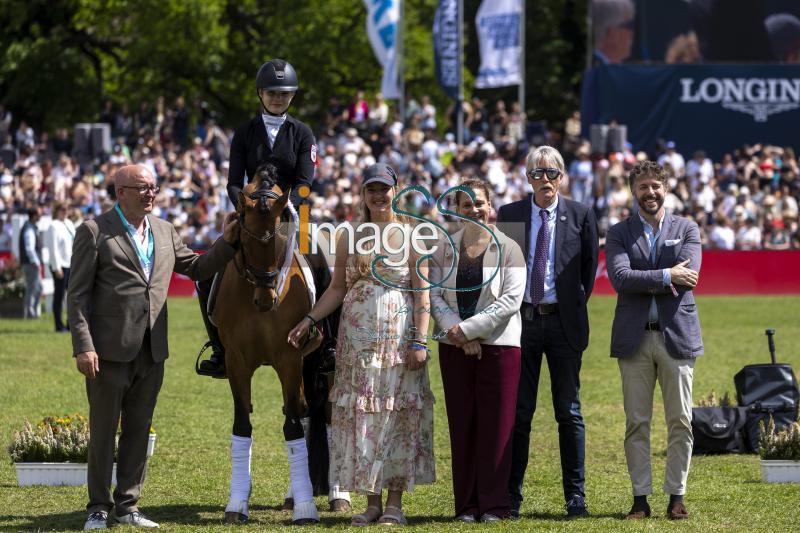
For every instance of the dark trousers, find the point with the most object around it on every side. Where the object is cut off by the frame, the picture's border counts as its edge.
(544, 335)
(480, 395)
(60, 287)
(122, 394)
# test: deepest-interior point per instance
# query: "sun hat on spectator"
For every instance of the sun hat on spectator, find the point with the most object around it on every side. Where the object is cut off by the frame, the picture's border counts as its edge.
(744, 191)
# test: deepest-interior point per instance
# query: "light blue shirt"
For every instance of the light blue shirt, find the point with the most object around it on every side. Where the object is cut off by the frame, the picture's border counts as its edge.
(652, 238)
(549, 274)
(142, 245)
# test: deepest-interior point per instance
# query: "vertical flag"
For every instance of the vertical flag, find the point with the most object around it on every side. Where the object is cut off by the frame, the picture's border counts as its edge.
(383, 18)
(497, 23)
(446, 47)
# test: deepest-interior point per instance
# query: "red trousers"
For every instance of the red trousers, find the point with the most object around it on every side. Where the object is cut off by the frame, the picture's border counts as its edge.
(481, 397)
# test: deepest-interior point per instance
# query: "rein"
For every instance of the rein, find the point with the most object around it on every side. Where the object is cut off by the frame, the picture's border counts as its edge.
(255, 276)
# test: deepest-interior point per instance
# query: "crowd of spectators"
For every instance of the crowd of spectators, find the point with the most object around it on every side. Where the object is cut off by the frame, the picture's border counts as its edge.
(747, 200)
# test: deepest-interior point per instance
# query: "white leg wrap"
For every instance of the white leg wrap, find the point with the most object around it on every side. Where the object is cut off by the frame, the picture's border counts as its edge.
(334, 493)
(240, 475)
(306, 423)
(304, 506)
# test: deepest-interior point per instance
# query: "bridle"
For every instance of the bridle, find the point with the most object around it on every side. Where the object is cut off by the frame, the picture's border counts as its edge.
(257, 277)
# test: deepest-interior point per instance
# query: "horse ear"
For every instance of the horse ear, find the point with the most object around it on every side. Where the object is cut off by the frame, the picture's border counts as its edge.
(283, 200)
(240, 203)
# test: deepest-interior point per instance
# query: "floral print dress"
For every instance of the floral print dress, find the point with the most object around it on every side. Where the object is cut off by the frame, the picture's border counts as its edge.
(382, 421)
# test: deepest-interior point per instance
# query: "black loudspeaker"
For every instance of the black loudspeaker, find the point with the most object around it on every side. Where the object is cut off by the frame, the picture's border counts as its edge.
(101, 139)
(617, 137)
(598, 136)
(81, 142)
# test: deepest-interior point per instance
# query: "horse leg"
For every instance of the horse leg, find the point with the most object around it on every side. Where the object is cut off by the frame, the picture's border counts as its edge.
(288, 499)
(338, 500)
(241, 444)
(304, 511)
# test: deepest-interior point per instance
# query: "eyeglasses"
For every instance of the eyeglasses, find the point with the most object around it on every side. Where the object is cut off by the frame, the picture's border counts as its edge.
(538, 173)
(143, 190)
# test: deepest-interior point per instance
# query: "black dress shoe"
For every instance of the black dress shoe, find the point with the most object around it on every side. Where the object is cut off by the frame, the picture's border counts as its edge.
(576, 507)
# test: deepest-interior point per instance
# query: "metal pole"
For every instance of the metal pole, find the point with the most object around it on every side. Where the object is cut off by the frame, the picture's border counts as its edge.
(521, 96)
(460, 101)
(399, 63)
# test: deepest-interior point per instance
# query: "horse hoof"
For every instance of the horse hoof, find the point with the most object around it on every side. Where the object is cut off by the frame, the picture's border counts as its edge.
(340, 506)
(235, 518)
(288, 504)
(304, 521)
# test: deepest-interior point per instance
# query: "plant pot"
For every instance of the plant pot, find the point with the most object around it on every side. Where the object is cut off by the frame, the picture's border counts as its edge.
(71, 474)
(11, 308)
(777, 471)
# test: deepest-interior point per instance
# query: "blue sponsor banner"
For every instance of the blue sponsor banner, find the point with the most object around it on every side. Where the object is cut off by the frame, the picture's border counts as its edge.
(446, 47)
(715, 108)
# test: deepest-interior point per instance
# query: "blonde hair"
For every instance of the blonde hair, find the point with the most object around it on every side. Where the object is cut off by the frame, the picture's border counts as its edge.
(364, 262)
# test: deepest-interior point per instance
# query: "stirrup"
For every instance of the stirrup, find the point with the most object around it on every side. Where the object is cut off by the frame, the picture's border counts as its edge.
(200, 371)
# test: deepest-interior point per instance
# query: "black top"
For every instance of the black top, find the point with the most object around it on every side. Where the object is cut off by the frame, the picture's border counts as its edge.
(295, 152)
(470, 274)
(24, 259)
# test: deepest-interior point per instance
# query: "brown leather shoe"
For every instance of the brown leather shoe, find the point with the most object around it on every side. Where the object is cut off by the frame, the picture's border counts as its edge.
(677, 511)
(638, 513)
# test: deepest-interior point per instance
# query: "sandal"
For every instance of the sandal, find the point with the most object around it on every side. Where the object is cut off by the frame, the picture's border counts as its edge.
(393, 516)
(366, 518)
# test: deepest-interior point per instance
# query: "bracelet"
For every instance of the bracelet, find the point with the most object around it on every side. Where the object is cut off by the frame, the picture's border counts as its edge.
(420, 341)
(417, 346)
(313, 322)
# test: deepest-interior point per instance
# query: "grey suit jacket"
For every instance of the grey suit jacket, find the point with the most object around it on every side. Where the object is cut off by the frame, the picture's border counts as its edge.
(637, 281)
(112, 303)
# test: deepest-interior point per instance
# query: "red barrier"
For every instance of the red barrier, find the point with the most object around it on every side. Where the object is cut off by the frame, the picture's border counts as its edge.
(738, 272)
(756, 272)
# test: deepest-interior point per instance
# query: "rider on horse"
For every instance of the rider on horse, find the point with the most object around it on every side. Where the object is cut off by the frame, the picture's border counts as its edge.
(289, 144)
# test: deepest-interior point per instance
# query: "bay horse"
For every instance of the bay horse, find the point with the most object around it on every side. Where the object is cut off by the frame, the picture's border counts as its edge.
(254, 313)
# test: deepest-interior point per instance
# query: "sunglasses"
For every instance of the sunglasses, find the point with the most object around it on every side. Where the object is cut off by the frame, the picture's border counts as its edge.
(538, 173)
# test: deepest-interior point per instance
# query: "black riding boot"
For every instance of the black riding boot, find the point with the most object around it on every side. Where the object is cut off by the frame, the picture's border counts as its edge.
(214, 366)
(322, 278)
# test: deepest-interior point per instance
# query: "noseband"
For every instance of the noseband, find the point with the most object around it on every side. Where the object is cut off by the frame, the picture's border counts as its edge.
(254, 276)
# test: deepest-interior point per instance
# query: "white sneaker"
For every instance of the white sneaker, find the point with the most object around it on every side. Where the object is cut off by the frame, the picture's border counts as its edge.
(135, 519)
(97, 520)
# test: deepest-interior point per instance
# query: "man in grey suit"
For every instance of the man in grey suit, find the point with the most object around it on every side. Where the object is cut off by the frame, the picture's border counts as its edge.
(121, 267)
(653, 262)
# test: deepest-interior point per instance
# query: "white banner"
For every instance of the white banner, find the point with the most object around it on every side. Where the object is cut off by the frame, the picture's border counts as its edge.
(383, 18)
(498, 28)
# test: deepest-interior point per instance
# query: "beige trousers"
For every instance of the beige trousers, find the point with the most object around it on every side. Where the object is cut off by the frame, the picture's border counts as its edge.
(639, 373)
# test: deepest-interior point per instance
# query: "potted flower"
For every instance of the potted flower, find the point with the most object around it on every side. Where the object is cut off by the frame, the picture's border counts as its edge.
(780, 453)
(12, 289)
(55, 451)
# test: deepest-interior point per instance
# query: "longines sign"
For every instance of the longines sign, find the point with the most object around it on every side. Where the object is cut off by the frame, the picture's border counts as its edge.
(760, 97)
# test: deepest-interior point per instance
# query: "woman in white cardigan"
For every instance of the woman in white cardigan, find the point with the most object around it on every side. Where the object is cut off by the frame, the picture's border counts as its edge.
(479, 353)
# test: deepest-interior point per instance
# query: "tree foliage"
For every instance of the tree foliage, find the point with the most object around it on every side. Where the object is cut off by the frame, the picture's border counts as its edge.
(61, 59)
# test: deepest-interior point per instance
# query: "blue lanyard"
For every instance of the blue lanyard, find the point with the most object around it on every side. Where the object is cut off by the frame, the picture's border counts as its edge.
(145, 254)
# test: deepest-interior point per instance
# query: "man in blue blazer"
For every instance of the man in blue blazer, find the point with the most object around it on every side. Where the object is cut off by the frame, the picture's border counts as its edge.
(653, 262)
(560, 244)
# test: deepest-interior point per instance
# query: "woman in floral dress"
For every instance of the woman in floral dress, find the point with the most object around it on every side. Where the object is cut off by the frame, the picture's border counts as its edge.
(382, 403)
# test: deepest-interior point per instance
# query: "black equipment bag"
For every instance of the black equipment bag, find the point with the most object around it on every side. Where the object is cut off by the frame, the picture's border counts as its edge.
(719, 430)
(767, 389)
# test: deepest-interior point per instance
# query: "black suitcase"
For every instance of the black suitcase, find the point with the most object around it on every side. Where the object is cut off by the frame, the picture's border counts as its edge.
(767, 390)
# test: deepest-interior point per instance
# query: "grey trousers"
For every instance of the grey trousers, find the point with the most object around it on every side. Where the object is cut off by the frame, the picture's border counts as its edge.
(122, 394)
(649, 363)
(33, 291)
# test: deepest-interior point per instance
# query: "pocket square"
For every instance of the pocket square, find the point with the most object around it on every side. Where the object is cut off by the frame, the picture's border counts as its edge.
(671, 242)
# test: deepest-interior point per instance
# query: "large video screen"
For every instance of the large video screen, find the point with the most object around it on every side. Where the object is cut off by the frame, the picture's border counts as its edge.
(695, 31)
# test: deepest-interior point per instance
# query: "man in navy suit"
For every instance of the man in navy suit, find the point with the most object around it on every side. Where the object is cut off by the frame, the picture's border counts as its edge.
(560, 239)
(653, 260)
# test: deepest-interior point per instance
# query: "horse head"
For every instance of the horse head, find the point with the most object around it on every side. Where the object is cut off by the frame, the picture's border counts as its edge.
(260, 206)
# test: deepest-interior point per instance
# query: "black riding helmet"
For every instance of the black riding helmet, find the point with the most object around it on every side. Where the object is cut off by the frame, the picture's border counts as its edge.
(276, 75)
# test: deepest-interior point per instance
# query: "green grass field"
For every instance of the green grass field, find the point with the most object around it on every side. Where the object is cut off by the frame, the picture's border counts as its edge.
(187, 483)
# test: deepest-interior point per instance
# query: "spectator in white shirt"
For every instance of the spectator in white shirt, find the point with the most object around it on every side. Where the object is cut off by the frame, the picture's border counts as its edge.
(675, 160)
(749, 236)
(59, 242)
(699, 169)
(722, 236)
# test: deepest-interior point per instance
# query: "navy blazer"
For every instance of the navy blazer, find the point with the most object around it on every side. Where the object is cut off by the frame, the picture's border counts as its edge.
(637, 281)
(575, 268)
